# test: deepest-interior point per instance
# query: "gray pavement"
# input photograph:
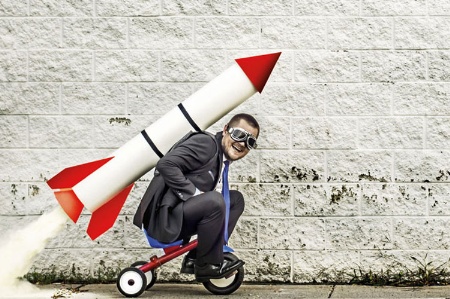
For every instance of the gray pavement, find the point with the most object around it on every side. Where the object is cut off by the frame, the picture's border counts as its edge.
(285, 291)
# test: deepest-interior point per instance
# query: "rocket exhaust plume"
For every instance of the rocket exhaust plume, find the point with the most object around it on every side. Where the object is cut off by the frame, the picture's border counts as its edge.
(19, 250)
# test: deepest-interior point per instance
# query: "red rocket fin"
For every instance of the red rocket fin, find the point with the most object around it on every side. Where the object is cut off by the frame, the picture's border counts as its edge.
(258, 68)
(69, 177)
(70, 203)
(104, 217)
(66, 179)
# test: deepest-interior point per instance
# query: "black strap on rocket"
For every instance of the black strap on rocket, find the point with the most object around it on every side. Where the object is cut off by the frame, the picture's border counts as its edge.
(188, 118)
(152, 145)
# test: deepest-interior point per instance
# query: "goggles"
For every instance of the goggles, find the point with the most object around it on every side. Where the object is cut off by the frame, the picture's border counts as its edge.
(239, 135)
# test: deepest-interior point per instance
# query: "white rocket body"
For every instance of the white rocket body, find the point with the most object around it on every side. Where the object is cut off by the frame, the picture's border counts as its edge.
(135, 158)
(102, 186)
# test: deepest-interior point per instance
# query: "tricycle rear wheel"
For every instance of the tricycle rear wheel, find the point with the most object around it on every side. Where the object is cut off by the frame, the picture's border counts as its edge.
(226, 286)
(131, 282)
(151, 275)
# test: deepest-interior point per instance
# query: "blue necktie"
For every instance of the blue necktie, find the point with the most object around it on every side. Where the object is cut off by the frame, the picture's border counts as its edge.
(226, 198)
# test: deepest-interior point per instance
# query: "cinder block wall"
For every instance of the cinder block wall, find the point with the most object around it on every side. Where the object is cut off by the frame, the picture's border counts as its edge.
(353, 168)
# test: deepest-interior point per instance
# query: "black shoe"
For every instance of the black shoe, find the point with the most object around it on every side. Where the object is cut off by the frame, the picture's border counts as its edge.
(211, 271)
(187, 266)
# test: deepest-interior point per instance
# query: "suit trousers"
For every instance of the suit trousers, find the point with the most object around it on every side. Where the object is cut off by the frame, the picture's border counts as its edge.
(204, 216)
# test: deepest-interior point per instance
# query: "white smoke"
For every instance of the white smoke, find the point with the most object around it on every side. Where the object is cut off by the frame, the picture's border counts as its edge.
(20, 250)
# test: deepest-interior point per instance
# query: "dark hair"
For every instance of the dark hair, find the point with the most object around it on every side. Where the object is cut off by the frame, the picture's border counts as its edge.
(246, 117)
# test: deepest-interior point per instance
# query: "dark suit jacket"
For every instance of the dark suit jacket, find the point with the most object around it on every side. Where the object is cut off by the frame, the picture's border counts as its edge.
(193, 163)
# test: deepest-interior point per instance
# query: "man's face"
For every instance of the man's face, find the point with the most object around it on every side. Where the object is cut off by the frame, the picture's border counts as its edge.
(234, 150)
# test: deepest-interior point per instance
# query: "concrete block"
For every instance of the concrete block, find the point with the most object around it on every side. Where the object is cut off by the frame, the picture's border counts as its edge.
(26, 33)
(439, 201)
(411, 99)
(326, 66)
(437, 98)
(60, 65)
(21, 199)
(219, 33)
(196, 7)
(323, 266)
(267, 265)
(356, 166)
(113, 132)
(93, 98)
(94, 33)
(393, 261)
(438, 7)
(326, 200)
(29, 98)
(438, 65)
(13, 199)
(438, 130)
(325, 8)
(293, 100)
(156, 98)
(413, 33)
(61, 132)
(421, 98)
(399, 133)
(320, 132)
(126, 65)
(161, 33)
(260, 7)
(245, 235)
(394, 199)
(360, 33)
(294, 33)
(422, 166)
(359, 233)
(13, 8)
(277, 134)
(13, 131)
(267, 199)
(439, 33)
(294, 234)
(112, 8)
(193, 65)
(61, 8)
(421, 233)
(13, 66)
(382, 66)
(292, 166)
(245, 171)
(393, 8)
(23, 165)
(358, 99)
(64, 263)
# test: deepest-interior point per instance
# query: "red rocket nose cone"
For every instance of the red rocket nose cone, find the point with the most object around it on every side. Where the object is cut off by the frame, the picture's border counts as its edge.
(258, 68)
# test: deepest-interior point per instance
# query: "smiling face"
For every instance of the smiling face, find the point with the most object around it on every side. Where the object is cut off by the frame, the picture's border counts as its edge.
(234, 150)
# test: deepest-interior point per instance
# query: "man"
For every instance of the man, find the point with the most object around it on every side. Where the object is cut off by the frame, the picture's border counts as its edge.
(181, 202)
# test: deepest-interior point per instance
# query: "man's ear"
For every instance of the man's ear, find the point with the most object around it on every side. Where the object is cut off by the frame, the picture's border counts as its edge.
(225, 128)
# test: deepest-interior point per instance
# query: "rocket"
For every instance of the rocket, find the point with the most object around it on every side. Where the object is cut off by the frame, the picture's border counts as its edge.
(102, 186)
